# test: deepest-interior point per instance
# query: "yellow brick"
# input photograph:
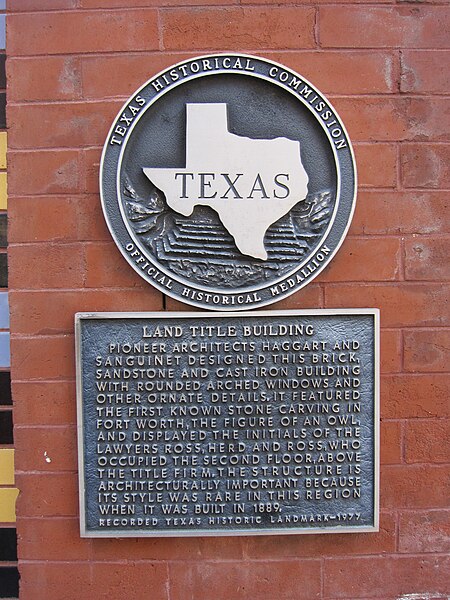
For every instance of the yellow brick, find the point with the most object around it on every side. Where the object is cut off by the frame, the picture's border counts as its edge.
(6, 466)
(8, 498)
(3, 192)
(3, 145)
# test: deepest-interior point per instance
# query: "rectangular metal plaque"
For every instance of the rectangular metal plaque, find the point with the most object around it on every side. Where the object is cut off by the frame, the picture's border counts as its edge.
(193, 424)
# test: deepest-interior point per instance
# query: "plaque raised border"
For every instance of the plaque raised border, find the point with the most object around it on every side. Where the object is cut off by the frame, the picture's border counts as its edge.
(370, 446)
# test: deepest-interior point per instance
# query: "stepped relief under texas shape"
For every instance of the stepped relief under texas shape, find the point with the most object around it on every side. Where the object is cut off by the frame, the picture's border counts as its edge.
(250, 183)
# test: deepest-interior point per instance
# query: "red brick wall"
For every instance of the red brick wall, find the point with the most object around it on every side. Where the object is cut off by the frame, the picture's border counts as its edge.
(71, 65)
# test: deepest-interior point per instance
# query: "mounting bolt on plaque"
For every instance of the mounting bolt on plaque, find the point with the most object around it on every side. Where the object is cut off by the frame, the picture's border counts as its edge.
(228, 181)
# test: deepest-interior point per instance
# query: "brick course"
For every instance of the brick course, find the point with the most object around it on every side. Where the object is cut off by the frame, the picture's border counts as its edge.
(384, 65)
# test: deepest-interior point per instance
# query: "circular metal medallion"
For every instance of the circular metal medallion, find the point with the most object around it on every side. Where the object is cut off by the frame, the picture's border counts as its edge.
(228, 181)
